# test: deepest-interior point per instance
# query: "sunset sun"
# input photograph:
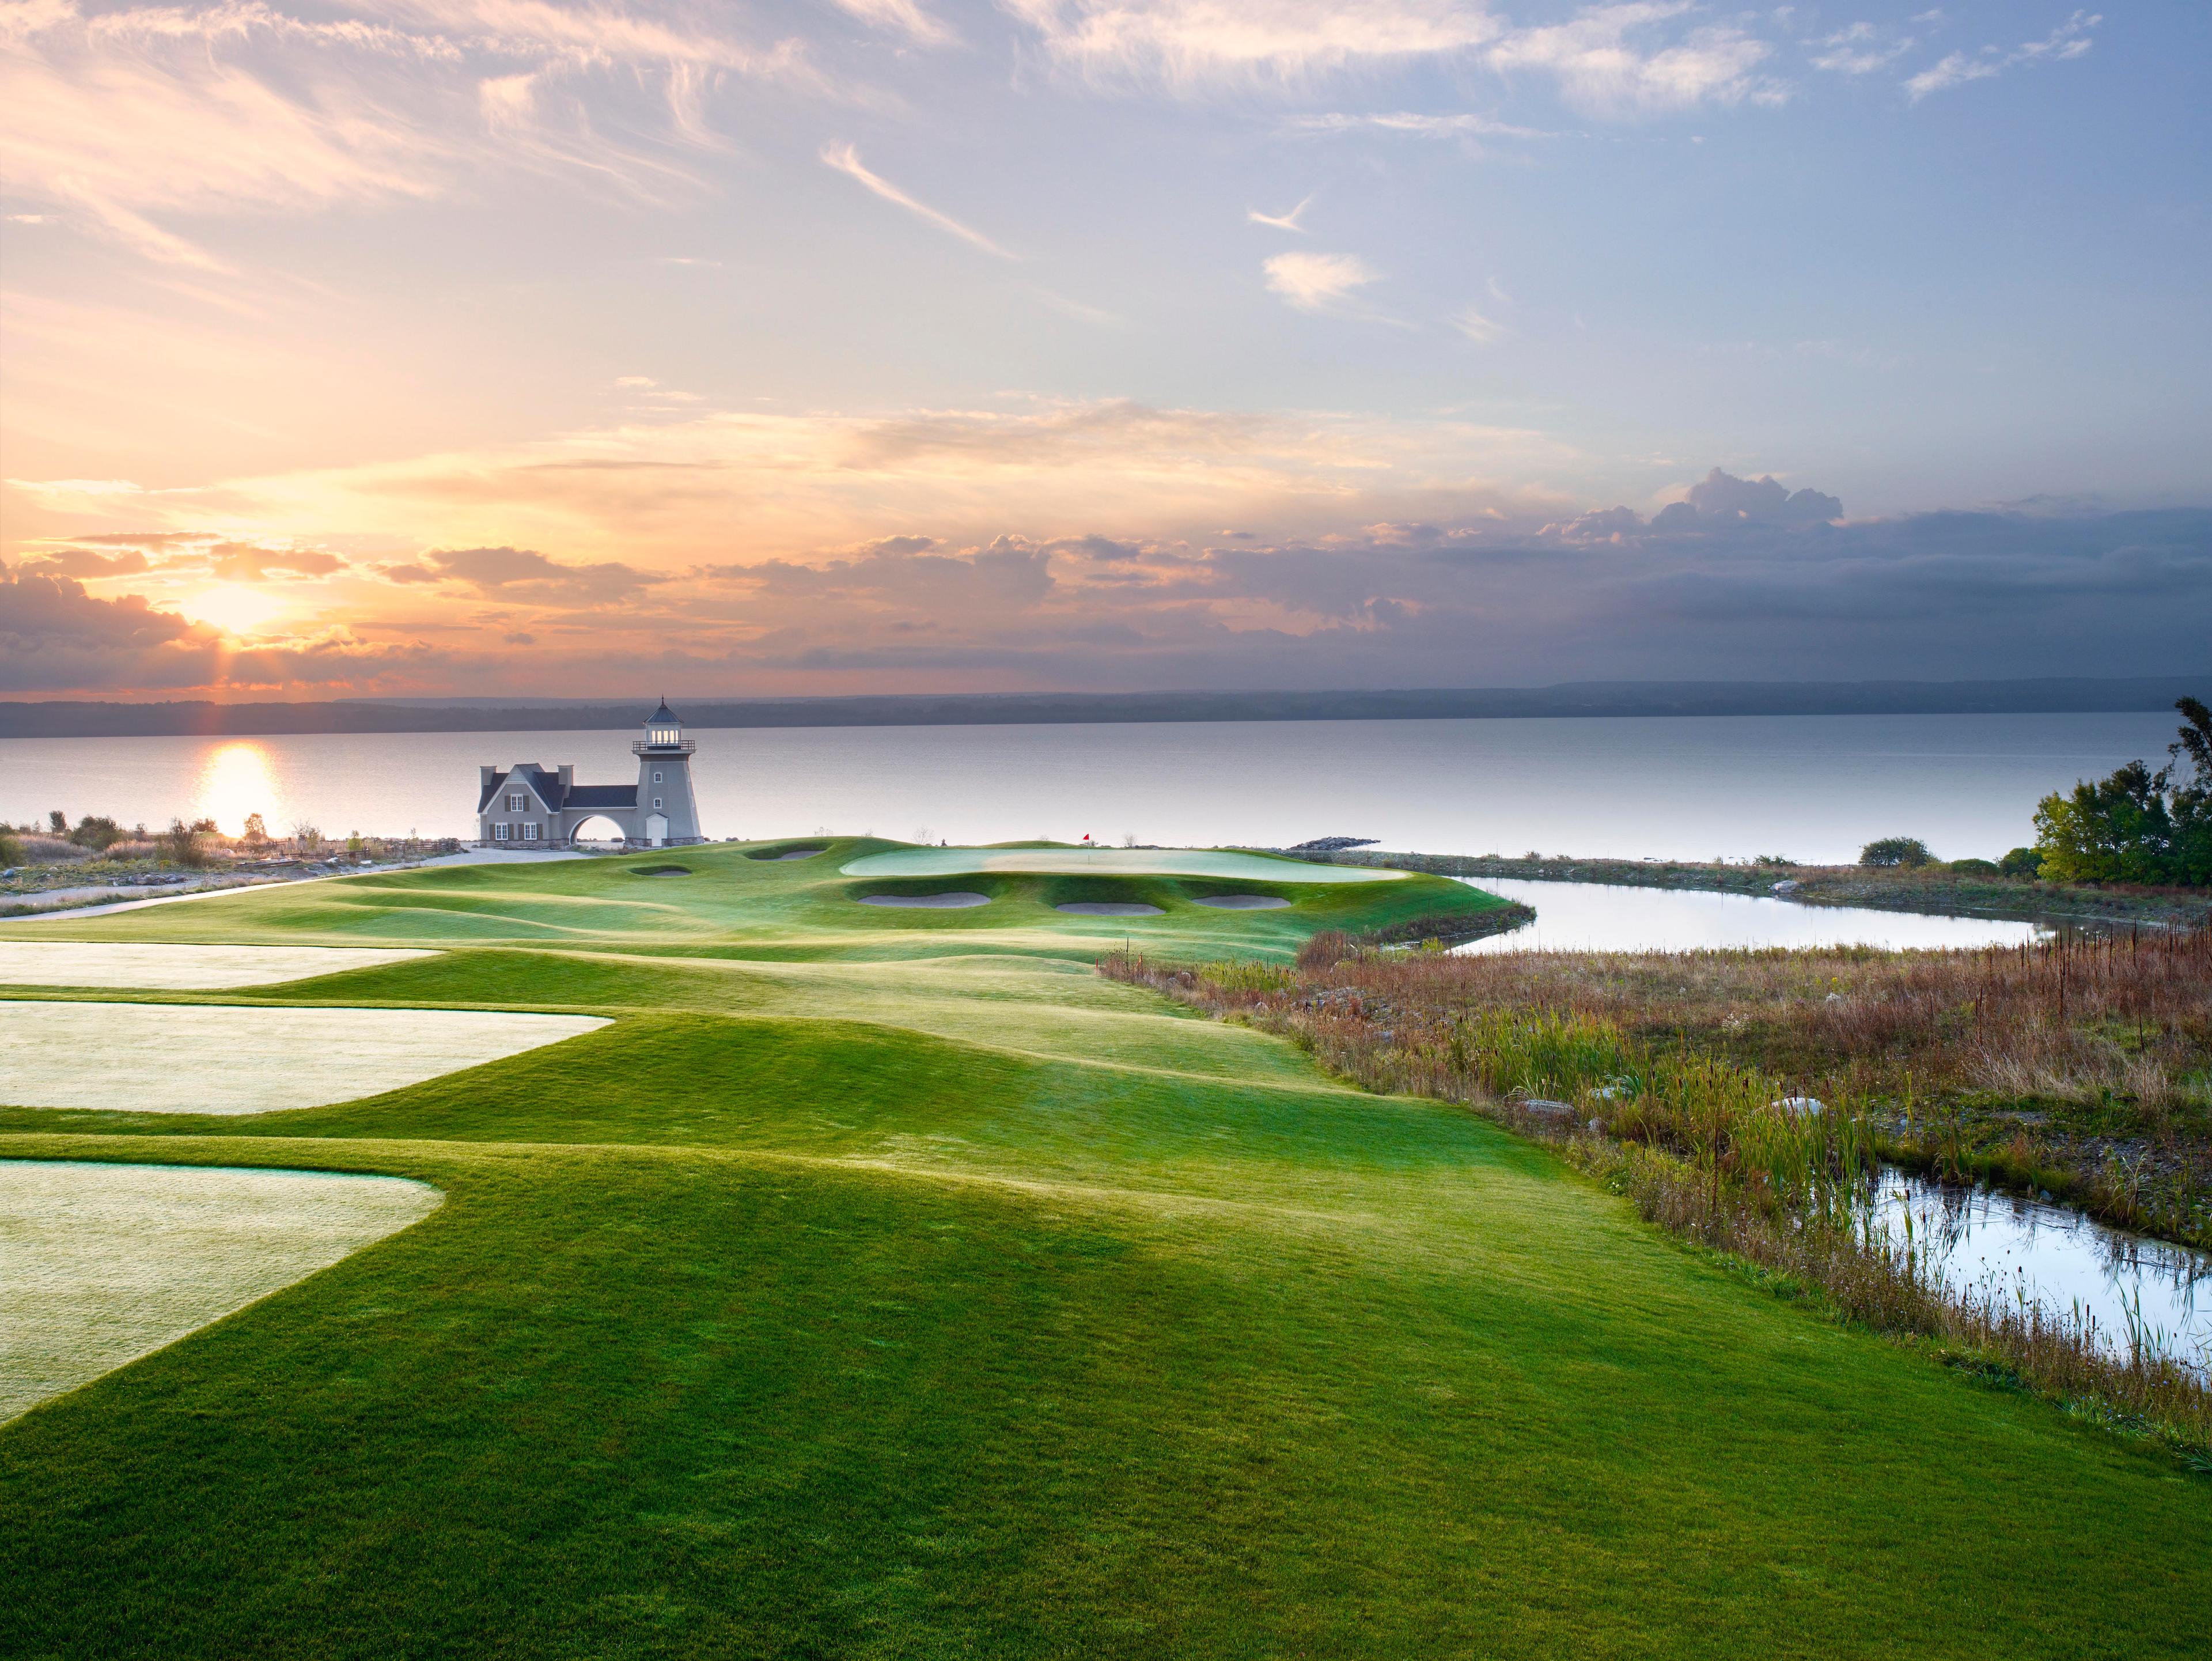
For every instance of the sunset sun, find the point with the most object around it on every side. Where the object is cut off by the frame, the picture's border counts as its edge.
(233, 607)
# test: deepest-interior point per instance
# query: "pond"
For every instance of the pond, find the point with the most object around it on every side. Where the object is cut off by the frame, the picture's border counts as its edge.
(2013, 1249)
(1593, 916)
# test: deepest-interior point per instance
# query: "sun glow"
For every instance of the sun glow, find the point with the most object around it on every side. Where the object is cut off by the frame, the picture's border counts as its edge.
(232, 607)
(236, 780)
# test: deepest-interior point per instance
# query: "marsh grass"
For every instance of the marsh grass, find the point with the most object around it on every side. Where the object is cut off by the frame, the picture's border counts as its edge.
(1774, 1169)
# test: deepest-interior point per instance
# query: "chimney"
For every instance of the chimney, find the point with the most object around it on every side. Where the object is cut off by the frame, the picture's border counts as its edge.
(567, 777)
(484, 776)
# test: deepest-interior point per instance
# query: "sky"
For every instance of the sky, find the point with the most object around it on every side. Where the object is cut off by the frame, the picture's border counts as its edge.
(500, 346)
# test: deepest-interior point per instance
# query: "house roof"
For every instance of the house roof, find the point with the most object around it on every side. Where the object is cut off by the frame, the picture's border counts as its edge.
(602, 795)
(545, 784)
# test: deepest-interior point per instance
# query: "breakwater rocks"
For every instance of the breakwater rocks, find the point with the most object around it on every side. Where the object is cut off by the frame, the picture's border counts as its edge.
(1938, 892)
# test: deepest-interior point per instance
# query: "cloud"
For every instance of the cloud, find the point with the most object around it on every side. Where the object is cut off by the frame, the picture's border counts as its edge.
(86, 563)
(1603, 71)
(528, 577)
(2071, 39)
(1286, 222)
(846, 159)
(1860, 49)
(1191, 44)
(117, 117)
(899, 17)
(1481, 330)
(56, 637)
(1461, 125)
(1318, 282)
(1724, 497)
(1605, 60)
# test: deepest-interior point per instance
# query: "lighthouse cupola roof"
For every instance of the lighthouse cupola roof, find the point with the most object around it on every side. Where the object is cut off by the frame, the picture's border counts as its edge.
(664, 716)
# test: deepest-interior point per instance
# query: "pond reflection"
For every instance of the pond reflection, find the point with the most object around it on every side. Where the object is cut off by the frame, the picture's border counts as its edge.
(1593, 916)
(2014, 1249)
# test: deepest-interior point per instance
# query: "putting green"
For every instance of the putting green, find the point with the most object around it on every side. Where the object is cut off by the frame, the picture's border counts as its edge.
(1110, 863)
(101, 1263)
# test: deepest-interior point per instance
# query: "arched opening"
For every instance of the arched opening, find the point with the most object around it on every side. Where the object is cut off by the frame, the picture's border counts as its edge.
(599, 835)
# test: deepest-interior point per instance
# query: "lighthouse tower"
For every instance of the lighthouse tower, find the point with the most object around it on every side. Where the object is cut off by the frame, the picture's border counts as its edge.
(667, 810)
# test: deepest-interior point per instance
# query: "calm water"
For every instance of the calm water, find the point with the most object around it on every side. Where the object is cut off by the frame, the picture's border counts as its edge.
(1811, 788)
(1993, 1244)
(1590, 916)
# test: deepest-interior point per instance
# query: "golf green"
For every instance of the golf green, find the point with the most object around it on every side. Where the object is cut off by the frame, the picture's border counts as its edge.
(885, 1282)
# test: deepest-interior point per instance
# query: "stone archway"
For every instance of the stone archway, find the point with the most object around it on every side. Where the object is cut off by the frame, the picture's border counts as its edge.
(598, 830)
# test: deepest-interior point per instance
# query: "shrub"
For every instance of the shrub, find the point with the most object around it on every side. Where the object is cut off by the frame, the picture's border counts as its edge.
(2021, 862)
(134, 848)
(11, 851)
(180, 844)
(1890, 852)
(1975, 868)
(96, 833)
(52, 850)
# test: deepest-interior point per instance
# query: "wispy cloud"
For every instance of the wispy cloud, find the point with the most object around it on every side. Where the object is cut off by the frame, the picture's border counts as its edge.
(1612, 61)
(2071, 38)
(1458, 126)
(1281, 222)
(1603, 69)
(1192, 44)
(846, 159)
(899, 17)
(116, 117)
(1318, 282)
(1860, 49)
(1482, 331)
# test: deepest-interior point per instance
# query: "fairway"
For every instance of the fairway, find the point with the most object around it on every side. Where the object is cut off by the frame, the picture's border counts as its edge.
(1110, 863)
(101, 1263)
(885, 1282)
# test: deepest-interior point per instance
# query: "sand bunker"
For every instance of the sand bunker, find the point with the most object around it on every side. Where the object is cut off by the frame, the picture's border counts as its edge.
(1109, 909)
(1244, 901)
(227, 1059)
(179, 968)
(102, 1263)
(955, 902)
(1110, 862)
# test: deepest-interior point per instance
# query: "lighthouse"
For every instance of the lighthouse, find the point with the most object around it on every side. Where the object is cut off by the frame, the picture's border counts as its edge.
(666, 809)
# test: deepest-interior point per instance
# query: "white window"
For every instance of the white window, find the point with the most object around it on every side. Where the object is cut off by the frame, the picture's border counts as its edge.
(502, 833)
(656, 802)
(530, 833)
(656, 778)
(514, 803)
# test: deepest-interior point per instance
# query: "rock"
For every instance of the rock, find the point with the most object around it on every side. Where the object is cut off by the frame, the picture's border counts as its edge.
(1789, 887)
(1554, 1112)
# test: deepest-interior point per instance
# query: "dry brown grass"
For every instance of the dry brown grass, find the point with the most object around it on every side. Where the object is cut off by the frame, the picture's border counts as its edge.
(1663, 1074)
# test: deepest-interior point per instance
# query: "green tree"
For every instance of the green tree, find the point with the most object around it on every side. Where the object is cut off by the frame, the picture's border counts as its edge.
(1908, 851)
(2136, 825)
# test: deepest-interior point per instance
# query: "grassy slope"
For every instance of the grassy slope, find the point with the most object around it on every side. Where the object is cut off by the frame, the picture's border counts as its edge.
(901, 1288)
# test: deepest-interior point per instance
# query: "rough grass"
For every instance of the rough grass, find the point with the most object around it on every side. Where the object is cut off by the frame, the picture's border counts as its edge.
(865, 1291)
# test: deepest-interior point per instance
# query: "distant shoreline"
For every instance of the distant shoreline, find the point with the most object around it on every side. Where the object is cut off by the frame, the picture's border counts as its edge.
(1584, 699)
